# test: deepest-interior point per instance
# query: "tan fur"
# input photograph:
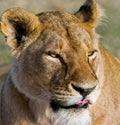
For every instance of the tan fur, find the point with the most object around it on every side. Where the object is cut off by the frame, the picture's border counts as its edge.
(3, 72)
(58, 61)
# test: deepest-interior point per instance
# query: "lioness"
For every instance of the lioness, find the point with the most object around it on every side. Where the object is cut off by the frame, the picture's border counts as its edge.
(61, 74)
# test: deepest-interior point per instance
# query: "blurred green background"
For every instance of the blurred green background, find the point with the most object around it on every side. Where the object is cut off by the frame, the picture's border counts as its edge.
(110, 32)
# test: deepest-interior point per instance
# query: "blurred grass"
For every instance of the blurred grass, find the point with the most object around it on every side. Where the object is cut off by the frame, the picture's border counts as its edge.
(5, 56)
(110, 32)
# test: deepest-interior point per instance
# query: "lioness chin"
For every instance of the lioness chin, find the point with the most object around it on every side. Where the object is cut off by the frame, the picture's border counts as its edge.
(61, 74)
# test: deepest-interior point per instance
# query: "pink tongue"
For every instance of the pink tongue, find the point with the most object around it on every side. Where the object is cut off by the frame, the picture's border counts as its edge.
(83, 102)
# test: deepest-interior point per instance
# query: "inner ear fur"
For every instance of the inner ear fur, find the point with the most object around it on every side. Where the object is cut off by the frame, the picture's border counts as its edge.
(89, 14)
(20, 27)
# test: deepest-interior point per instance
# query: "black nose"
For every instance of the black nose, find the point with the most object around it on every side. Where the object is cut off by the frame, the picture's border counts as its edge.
(82, 91)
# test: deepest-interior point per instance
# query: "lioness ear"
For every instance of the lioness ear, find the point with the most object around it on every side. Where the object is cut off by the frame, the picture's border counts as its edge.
(89, 14)
(20, 27)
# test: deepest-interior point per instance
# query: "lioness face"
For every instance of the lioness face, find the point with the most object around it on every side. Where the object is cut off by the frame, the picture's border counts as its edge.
(57, 56)
(64, 63)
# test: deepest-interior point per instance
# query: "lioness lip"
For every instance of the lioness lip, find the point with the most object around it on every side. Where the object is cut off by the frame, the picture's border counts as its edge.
(79, 105)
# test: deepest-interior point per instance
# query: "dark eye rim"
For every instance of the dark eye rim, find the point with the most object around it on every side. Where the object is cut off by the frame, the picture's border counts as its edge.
(91, 53)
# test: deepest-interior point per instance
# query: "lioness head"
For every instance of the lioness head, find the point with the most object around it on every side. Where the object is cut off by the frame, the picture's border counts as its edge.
(57, 58)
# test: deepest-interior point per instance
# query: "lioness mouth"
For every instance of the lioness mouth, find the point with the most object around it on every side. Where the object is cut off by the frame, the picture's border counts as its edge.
(82, 104)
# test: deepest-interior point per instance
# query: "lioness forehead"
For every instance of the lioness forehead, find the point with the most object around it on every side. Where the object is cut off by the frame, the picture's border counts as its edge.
(58, 18)
(61, 25)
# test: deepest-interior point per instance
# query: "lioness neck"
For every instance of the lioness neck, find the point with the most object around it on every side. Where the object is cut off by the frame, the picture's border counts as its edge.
(102, 113)
(14, 106)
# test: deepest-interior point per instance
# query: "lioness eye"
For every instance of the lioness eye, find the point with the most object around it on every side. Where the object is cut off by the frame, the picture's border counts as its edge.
(53, 54)
(92, 53)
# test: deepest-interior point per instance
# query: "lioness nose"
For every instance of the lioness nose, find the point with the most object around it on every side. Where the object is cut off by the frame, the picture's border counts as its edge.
(82, 91)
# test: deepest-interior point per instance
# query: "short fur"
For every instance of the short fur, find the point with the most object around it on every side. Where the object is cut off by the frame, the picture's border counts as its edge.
(58, 62)
(3, 72)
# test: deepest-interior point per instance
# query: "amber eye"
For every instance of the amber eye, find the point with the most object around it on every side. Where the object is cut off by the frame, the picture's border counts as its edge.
(92, 53)
(53, 54)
